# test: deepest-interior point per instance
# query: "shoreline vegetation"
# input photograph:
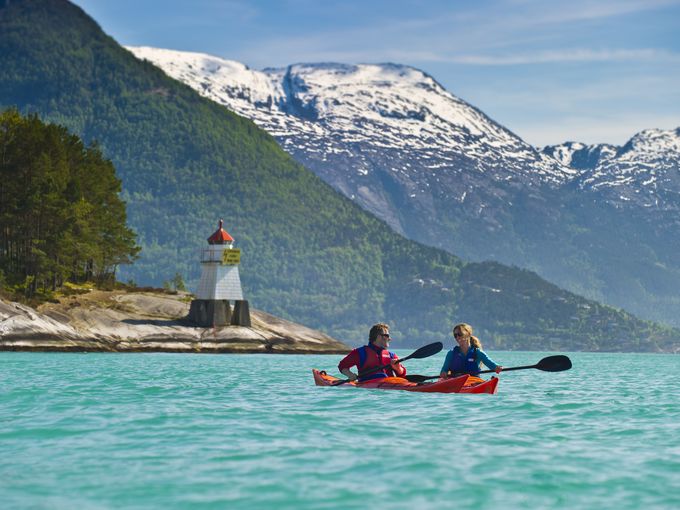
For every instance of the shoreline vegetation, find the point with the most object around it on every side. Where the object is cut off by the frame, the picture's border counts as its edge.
(147, 321)
(61, 216)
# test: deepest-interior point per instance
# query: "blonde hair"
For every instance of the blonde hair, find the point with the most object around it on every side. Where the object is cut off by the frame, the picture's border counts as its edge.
(467, 330)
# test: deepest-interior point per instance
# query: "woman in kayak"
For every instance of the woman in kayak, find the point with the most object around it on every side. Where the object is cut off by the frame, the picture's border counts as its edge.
(373, 355)
(466, 357)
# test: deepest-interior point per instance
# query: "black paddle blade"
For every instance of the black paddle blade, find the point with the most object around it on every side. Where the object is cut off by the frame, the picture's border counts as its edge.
(425, 351)
(554, 363)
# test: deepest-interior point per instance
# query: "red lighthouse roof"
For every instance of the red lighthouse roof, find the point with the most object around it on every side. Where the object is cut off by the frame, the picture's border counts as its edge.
(220, 236)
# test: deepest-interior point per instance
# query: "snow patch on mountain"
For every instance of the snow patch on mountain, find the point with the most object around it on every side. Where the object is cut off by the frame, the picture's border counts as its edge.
(370, 126)
(329, 108)
(643, 172)
(580, 156)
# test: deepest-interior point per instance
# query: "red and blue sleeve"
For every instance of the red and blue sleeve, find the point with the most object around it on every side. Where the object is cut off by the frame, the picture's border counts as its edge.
(351, 360)
(401, 369)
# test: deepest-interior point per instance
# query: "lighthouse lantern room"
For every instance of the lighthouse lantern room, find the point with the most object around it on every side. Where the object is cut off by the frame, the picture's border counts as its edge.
(220, 283)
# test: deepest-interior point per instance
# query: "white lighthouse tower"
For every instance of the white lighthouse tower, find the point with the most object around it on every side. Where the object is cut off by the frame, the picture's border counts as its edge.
(220, 283)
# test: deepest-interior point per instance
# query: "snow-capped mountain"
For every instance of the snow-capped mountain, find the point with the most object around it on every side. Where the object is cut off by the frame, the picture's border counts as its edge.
(387, 105)
(599, 220)
(580, 156)
(369, 128)
(645, 172)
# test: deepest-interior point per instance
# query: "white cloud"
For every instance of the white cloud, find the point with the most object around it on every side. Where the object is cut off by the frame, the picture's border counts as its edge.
(569, 55)
(597, 9)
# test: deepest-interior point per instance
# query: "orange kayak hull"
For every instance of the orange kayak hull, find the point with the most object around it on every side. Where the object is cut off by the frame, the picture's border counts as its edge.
(454, 385)
(478, 385)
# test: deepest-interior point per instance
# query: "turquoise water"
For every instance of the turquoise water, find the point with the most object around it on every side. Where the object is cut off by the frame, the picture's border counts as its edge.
(207, 431)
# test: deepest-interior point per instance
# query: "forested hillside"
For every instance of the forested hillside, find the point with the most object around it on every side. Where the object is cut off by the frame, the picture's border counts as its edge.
(309, 254)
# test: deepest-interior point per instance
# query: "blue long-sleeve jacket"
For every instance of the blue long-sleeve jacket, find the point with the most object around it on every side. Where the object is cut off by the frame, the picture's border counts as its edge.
(480, 357)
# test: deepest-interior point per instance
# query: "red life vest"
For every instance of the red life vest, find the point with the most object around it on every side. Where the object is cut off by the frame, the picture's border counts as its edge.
(370, 357)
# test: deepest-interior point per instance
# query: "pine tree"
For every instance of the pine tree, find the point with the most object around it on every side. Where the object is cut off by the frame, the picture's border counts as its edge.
(61, 217)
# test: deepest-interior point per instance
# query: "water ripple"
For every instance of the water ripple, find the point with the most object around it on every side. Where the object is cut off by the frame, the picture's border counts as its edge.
(187, 431)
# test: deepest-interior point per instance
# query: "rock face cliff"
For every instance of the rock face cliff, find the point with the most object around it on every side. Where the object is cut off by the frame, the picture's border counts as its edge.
(147, 322)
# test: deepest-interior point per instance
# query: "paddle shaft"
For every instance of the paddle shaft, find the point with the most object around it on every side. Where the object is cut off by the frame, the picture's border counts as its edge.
(511, 368)
(550, 364)
(421, 378)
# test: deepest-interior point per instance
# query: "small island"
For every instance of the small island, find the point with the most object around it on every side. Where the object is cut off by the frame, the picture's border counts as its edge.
(63, 236)
(148, 320)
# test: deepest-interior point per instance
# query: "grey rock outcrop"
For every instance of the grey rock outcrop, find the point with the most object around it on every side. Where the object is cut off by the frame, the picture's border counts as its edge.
(147, 322)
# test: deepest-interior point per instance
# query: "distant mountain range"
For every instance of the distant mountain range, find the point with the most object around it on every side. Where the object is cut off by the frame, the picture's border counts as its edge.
(644, 173)
(308, 253)
(599, 220)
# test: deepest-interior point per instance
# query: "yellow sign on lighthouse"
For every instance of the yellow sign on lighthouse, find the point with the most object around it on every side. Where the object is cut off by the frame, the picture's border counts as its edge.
(231, 257)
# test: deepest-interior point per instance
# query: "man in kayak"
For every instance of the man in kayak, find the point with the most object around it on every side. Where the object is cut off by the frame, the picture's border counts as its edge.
(467, 356)
(373, 355)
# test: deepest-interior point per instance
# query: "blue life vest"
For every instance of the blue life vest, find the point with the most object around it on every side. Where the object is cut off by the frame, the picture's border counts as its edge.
(383, 357)
(464, 364)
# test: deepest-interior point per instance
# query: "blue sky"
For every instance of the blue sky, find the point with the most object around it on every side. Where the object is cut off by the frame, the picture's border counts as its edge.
(550, 71)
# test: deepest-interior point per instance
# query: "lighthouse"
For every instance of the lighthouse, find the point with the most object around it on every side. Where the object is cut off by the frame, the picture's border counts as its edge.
(220, 283)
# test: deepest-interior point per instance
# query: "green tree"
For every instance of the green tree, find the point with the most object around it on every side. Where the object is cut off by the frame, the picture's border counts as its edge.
(61, 217)
(178, 283)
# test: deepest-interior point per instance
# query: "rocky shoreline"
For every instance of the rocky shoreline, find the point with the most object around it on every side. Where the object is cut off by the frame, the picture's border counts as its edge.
(118, 321)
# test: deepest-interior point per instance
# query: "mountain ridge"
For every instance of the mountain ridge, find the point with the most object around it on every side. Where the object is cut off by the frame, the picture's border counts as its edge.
(308, 253)
(439, 171)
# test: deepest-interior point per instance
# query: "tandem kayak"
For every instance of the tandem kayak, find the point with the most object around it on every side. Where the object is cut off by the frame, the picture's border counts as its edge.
(462, 384)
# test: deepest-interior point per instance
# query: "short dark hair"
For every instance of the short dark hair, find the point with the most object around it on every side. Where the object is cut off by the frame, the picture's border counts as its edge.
(376, 330)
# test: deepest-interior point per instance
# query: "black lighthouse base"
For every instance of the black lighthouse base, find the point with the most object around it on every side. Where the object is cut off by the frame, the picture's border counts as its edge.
(210, 313)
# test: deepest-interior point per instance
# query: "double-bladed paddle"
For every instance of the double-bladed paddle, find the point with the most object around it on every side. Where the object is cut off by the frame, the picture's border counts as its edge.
(556, 363)
(424, 352)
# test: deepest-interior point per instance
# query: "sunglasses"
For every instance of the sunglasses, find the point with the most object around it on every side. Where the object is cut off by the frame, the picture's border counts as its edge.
(458, 335)
(386, 335)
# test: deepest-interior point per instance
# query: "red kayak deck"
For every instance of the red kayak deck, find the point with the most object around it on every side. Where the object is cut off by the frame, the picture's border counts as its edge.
(454, 385)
